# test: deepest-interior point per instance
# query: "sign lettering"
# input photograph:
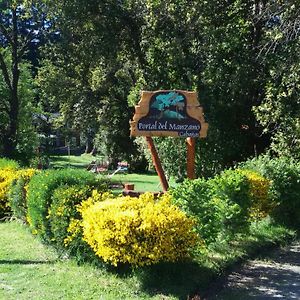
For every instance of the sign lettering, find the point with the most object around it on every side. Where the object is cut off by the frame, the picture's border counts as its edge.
(169, 113)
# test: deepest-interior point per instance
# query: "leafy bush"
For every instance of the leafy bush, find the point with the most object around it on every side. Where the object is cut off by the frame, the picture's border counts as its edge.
(261, 201)
(7, 176)
(225, 204)
(41, 189)
(220, 204)
(284, 174)
(137, 231)
(196, 198)
(18, 192)
(234, 187)
(64, 217)
(8, 163)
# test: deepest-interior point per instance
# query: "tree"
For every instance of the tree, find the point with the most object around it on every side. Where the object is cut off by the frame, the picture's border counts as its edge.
(228, 51)
(279, 111)
(21, 24)
(87, 75)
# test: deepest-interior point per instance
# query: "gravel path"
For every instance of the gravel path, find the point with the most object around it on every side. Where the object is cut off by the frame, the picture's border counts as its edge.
(277, 277)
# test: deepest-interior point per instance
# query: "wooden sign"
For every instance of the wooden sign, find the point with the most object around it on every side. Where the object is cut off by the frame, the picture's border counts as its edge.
(169, 113)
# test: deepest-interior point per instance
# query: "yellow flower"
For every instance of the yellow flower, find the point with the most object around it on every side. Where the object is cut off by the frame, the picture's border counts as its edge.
(139, 231)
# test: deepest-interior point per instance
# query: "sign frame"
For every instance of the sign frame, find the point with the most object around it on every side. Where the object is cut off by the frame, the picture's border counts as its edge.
(161, 124)
(151, 119)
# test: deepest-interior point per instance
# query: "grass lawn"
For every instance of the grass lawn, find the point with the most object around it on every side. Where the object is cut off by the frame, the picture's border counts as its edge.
(30, 270)
(142, 182)
(73, 161)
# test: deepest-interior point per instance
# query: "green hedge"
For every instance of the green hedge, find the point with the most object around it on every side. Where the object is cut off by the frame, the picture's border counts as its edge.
(226, 204)
(41, 189)
(220, 204)
(284, 174)
(17, 193)
(8, 163)
(63, 214)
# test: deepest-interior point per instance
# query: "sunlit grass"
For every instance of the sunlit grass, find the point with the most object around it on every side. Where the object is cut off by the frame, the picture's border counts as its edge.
(30, 270)
(73, 161)
(142, 182)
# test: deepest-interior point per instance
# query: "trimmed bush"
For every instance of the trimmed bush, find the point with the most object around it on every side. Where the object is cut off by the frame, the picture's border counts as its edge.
(64, 217)
(262, 204)
(197, 199)
(41, 190)
(234, 187)
(8, 163)
(284, 174)
(225, 204)
(7, 176)
(220, 205)
(18, 191)
(137, 231)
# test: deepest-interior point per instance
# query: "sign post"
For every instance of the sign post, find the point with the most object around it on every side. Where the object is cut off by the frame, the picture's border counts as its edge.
(173, 113)
(157, 164)
(191, 153)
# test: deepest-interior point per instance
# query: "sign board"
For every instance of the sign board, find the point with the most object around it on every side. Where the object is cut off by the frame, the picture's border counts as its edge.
(169, 113)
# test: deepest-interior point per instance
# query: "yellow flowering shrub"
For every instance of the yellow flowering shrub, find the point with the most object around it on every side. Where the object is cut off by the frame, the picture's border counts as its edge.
(7, 177)
(64, 218)
(139, 231)
(261, 204)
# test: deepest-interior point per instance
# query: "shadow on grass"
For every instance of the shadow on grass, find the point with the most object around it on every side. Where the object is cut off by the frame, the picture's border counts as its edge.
(184, 280)
(25, 262)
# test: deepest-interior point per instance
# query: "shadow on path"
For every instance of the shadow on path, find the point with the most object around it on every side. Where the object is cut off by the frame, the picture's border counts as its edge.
(275, 277)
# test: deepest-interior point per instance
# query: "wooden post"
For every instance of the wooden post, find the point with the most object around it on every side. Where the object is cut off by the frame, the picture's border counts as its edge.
(157, 164)
(191, 146)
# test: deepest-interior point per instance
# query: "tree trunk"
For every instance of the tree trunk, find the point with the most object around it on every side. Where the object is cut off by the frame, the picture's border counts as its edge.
(88, 146)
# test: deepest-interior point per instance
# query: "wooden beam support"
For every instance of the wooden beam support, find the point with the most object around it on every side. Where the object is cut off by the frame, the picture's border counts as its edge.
(157, 164)
(191, 152)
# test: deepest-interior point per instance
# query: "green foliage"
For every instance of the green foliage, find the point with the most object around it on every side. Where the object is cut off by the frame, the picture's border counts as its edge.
(284, 174)
(278, 113)
(63, 213)
(219, 204)
(17, 199)
(150, 45)
(27, 139)
(7, 178)
(236, 187)
(196, 199)
(226, 204)
(24, 138)
(18, 192)
(39, 162)
(8, 163)
(41, 189)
